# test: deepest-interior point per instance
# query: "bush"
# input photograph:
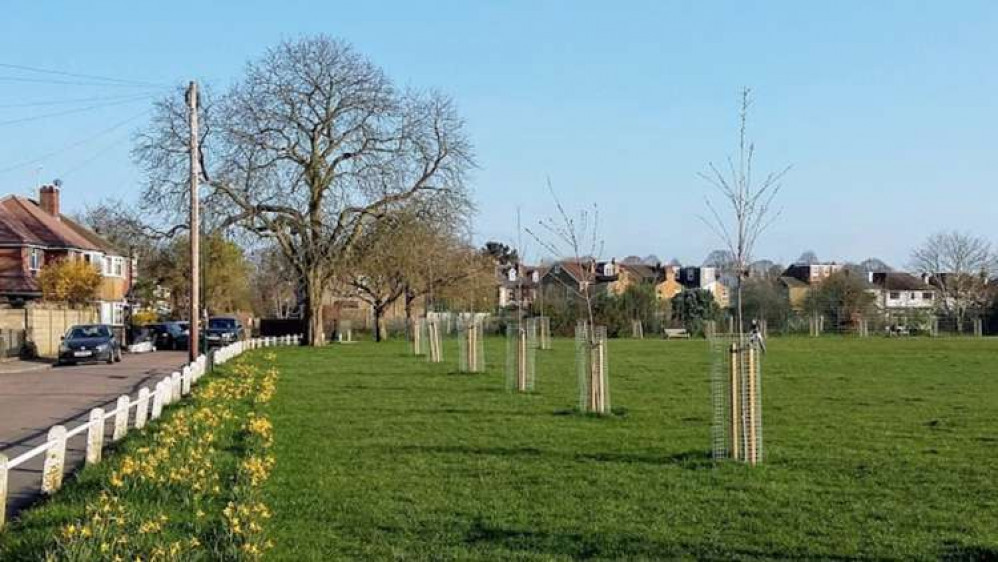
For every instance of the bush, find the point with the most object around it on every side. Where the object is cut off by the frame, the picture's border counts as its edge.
(693, 308)
(70, 281)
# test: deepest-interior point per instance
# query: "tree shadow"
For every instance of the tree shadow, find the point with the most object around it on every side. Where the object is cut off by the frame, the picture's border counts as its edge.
(952, 551)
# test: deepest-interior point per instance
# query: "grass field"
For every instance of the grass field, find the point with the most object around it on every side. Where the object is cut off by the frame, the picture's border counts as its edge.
(875, 449)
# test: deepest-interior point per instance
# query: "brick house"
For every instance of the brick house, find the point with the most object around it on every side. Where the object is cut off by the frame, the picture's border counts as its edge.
(35, 233)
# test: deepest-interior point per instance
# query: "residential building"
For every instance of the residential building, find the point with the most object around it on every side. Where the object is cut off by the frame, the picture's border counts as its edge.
(708, 278)
(630, 274)
(570, 277)
(899, 291)
(668, 284)
(798, 280)
(795, 290)
(812, 273)
(35, 233)
(518, 284)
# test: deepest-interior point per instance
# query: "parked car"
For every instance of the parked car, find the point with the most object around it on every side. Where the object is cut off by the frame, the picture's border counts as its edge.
(90, 342)
(169, 335)
(222, 330)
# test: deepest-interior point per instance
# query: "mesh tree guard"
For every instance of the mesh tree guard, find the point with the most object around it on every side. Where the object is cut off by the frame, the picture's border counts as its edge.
(591, 364)
(520, 353)
(418, 334)
(471, 346)
(736, 392)
(543, 332)
(816, 325)
(434, 341)
(637, 330)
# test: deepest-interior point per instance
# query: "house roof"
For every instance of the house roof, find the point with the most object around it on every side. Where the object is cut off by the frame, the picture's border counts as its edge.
(23, 221)
(899, 281)
(577, 270)
(91, 236)
(641, 271)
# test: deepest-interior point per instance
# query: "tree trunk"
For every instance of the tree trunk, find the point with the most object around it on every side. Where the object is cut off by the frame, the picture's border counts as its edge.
(379, 319)
(315, 335)
(740, 320)
(409, 299)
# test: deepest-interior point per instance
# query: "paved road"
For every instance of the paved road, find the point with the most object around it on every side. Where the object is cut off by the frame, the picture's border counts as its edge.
(31, 402)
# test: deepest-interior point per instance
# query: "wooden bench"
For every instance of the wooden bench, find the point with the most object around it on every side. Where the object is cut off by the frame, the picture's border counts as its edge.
(676, 333)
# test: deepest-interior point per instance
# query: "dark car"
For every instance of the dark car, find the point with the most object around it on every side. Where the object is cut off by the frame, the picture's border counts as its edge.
(169, 335)
(91, 342)
(222, 330)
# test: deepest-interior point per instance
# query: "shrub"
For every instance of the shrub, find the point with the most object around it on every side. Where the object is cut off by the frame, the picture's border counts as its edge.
(70, 281)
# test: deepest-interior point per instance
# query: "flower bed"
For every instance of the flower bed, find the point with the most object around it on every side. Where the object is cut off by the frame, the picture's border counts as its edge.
(186, 488)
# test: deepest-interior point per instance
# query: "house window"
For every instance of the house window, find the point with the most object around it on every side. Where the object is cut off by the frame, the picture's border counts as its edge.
(35, 262)
(895, 296)
(913, 296)
(118, 314)
(927, 296)
(107, 265)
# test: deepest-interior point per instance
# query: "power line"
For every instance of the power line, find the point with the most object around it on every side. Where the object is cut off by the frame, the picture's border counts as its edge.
(75, 110)
(67, 101)
(94, 156)
(76, 143)
(122, 81)
(75, 83)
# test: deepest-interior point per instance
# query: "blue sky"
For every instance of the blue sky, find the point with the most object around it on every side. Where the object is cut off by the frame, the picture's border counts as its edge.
(886, 110)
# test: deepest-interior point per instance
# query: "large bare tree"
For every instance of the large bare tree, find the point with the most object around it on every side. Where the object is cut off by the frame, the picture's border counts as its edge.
(312, 144)
(960, 265)
(746, 208)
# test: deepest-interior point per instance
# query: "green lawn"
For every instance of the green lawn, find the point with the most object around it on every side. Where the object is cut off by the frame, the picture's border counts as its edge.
(875, 449)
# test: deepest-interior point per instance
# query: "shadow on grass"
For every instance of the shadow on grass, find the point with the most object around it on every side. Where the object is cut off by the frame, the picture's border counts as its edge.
(954, 551)
(622, 546)
(618, 412)
(690, 460)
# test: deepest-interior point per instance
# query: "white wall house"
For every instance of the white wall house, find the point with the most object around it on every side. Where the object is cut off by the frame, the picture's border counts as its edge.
(902, 291)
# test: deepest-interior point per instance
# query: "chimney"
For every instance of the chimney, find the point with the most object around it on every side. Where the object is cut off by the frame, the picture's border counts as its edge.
(48, 199)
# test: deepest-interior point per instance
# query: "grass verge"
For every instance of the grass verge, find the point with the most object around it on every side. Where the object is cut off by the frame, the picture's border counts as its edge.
(186, 487)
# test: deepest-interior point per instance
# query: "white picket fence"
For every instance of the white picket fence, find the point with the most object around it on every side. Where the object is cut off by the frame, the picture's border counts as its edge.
(167, 391)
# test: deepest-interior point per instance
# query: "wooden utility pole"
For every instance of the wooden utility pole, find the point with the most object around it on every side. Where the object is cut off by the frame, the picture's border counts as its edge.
(194, 339)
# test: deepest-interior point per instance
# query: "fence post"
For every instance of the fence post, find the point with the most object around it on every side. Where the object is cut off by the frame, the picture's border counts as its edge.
(142, 409)
(186, 380)
(175, 387)
(121, 418)
(157, 400)
(167, 390)
(55, 460)
(3, 489)
(95, 436)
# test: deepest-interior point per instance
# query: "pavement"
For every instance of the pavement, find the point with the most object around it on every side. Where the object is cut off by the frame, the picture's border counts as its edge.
(36, 396)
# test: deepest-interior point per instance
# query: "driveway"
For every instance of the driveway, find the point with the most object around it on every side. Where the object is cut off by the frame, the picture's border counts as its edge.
(33, 401)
